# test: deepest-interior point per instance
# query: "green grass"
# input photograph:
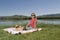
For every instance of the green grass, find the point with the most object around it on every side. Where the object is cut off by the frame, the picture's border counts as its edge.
(48, 32)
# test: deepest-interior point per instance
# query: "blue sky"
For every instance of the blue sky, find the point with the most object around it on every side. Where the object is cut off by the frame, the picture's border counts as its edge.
(26, 7)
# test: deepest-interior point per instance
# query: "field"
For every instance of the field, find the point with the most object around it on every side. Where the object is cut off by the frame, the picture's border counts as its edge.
(48, 32)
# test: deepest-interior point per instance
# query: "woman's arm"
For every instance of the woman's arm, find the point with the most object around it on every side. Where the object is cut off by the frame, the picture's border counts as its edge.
(27, 25)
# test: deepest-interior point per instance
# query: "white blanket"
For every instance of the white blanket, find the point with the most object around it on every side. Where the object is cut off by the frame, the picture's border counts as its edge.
(14, 31)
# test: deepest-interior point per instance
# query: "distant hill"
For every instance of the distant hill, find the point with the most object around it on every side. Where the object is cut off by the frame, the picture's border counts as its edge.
(50, 16)
(14, 17)
(53, 15)
(22, 17)
(19, 16)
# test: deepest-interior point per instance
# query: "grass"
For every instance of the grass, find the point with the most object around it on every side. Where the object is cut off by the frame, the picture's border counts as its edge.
(49, 32)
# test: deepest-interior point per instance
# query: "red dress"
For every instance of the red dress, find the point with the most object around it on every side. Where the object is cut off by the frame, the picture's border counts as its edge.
(32, 23)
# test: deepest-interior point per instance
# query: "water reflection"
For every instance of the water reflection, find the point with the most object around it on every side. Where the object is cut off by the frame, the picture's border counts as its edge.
(12, 22)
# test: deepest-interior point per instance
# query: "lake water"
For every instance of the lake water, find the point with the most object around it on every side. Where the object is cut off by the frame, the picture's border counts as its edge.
(47, 21)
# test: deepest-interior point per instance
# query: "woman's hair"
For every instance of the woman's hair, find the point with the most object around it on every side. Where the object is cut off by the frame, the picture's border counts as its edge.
(33, 14)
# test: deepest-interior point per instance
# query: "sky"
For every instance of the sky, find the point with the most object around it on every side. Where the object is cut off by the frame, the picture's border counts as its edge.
(26, 7)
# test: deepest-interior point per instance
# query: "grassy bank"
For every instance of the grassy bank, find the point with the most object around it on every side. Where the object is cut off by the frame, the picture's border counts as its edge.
(49, 32)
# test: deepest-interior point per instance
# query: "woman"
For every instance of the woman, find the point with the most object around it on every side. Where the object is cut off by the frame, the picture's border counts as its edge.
(32, 23)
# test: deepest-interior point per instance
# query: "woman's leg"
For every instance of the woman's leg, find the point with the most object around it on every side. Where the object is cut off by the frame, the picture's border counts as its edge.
(20, 28)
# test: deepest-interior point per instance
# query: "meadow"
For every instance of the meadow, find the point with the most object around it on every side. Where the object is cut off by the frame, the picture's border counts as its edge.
(48, 32)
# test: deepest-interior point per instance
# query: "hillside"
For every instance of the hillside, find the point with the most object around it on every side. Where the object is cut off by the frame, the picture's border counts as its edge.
(20, 17)
(53, 15)
(57, 16)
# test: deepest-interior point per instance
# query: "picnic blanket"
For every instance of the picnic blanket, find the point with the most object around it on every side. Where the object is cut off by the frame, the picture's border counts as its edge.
(14, 31)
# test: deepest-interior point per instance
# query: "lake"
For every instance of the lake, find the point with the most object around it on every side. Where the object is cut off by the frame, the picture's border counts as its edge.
(12, 22)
